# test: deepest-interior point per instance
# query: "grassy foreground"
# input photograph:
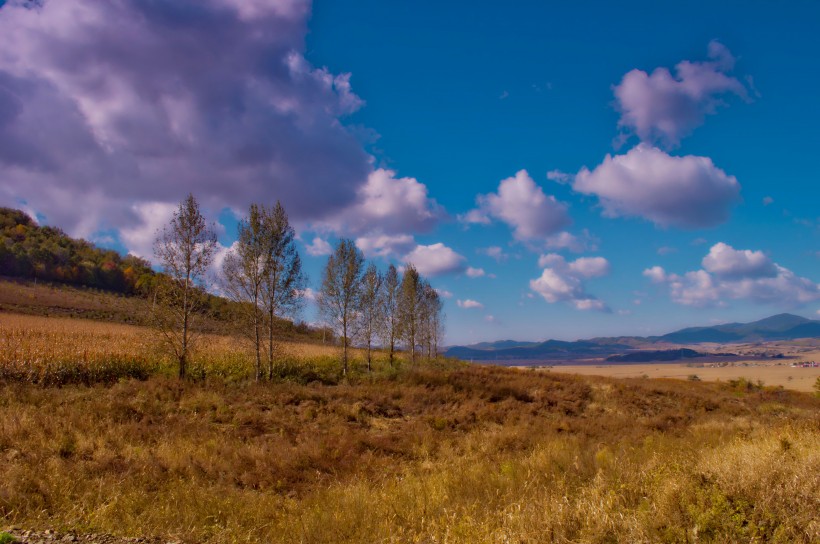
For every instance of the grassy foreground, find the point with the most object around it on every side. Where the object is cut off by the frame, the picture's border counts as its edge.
(414, 454)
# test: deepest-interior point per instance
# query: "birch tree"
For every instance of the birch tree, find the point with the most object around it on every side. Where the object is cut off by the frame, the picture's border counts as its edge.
(409, 306)
(185, 249)
(244, 271)
(283, 281)
(389, 324)
(370, 311)
(339, 297)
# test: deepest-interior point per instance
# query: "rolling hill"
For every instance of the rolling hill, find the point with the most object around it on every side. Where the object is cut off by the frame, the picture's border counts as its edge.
(777, 327)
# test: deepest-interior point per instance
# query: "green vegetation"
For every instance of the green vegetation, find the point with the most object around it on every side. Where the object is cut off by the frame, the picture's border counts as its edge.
(28, 250)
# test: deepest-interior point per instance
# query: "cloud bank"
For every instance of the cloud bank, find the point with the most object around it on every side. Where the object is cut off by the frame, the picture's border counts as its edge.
(688, 192)
(108, 104)
(731, 274)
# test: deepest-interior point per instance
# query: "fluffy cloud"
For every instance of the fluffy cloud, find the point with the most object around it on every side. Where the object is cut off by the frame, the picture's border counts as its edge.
(444, 293)
(387, 205)
(687, 192)
(105, 104)
(319, 247)
(664, 108)
(474, 272)
(736, 275)
(139, 236)
(522, 205)
(563, 281)
(725, 261)
(469, 304)
(384, 245)
(571, 242)
(435, 260)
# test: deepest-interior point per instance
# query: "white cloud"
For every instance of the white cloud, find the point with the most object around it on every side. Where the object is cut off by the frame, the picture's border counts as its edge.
(139, 237)
(522, 205)
(308, 294)
(687, 192)
(563, 281)
(559, 176)
(725, 261)
(383, 245)
(319, 247)
(475, 217)
(387, 205)
(489, 318)
(469, 304)
(496, 252)
(767, 200)
(590, 267)
(664, 108)
(444, 293)
(435, 260)
(656, 274)
(474, 272)
(570, 242)
(736, 275)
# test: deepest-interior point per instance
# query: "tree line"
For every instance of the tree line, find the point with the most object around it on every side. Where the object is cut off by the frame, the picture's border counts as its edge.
(361, 303)
(263, 272)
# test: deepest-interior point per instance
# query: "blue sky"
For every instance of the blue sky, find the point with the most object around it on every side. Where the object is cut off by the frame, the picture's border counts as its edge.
(426, 131)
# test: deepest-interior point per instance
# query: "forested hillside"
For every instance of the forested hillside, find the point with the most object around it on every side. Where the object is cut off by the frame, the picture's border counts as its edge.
(28, 250)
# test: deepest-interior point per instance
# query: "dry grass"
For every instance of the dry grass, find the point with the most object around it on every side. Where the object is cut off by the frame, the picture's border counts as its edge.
(54, 351)
(778, 374)
(446, 455)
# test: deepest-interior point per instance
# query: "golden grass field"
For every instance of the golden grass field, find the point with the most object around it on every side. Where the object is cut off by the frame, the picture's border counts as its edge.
(429, 453)
(779, 374)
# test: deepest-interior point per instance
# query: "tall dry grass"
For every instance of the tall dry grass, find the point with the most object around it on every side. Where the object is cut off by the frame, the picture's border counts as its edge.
(56, 351)
(412, 454)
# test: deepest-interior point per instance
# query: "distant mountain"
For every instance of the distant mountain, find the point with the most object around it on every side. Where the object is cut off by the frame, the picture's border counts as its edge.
(776, 327)
(500, 344)
(551, 349)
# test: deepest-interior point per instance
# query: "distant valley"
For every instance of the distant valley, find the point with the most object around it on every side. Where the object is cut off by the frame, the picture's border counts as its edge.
(777, 327)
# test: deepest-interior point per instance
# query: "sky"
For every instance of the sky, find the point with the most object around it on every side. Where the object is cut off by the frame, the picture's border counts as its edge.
(557, 171)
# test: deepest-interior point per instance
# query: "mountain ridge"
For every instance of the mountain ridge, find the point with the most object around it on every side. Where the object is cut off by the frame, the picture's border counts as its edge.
(783, 326)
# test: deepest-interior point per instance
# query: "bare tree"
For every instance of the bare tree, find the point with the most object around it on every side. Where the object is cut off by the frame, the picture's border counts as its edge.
(340, 293)
(370, 309)
(409, 306)
(283, 281)
(244, 274)
(185, 249)
(430, 322)
(389, 324)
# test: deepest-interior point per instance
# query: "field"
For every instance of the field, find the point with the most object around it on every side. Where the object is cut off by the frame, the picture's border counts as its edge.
(776, 374)
(96, 436)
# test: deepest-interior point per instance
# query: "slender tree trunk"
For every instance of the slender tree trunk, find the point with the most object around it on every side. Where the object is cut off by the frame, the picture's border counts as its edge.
(344, 348)
(368, 353)
(183, 356)
(258, 342)
(270, 345)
